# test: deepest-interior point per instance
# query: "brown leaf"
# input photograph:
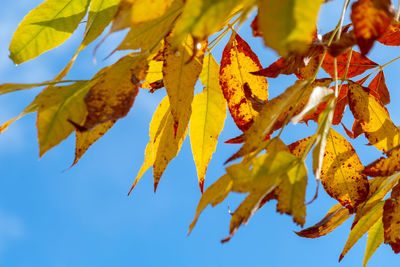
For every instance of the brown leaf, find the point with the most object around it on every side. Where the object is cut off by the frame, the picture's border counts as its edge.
(358, 64)
(369, 22)
(391, 219)
(255, 28)
(238, 60)
(384, 166)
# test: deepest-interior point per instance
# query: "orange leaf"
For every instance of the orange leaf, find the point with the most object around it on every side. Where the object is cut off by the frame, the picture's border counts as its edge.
(391, 36)
(391, 219)
(385, 166)
(378, 84)
(369, 23)
(358, 64)
(238, 60)
(255, 28)
(373, 117)
(340, 172)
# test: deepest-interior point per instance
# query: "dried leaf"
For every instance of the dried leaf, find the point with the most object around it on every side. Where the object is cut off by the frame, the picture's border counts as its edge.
(340, 173)
(391, 36)
(208, 117)
(238, 60)
(373, 117)
(384, 166)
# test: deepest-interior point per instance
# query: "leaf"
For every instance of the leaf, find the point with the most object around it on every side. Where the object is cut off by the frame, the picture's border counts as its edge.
(208, 117)
(375, 239)
(391, 220)
(146, 10)
(238, 60)
(154, 75)
(255, 29)
(45, 27)
(358, 64)
(62, 104)
(334, 218)
(340, 173)
(391, 36)
(266, 175)
(384, 166)
(288, 26)
(373, 117)
(85, 139)
(6, 88)
(318, 95)
(213, 195)
(147, 35)
(122, 18)
(362, 226)
(378, 85)
(369, 22)
(113, 94)
(181, 70)
(164, 142)
(201, 19)
(270, 114)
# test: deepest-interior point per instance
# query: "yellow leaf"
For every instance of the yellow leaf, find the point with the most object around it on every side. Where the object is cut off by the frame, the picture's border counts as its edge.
(335, 217)
(375, 239)
(391, 219)
(85, 139)
(238, 60)
(288, 25)
(163, 145)
(340, 172)
(363, 225)
(154, 74)
(181, 71)
(46, 27)
(147, 35)
(374, 118)
(113, 93)
(6, 88)
(203, 18)
(213, 195)
(145, 10)
(122, 18)
(60, 106)
(208, 117)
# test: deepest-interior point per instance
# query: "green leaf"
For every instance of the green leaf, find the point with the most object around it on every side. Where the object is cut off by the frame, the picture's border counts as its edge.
(46, 27)
(288, 25)
(375, 239)
(62, 104)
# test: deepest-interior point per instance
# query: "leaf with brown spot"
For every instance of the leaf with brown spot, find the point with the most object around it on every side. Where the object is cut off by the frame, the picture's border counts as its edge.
(384, 166)
(114, 92)
(334, 218)
(369, 23)
(83, 140)
(378, 84)
(340, 172)
(238, 60)
(391, 219)
(391, 36)
(358, 64)
(181, 70)
(154, 76)
(373, 117)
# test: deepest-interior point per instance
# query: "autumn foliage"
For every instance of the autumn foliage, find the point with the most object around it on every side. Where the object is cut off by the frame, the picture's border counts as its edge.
(173, 42)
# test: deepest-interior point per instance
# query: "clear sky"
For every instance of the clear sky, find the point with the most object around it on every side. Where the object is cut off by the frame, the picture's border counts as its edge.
(82, 217)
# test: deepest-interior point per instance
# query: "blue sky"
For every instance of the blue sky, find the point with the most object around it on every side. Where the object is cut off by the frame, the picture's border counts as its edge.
(82, 217)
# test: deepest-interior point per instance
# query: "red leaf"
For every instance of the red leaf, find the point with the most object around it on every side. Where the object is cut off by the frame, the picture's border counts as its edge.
(378, 85)
(391, 36)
